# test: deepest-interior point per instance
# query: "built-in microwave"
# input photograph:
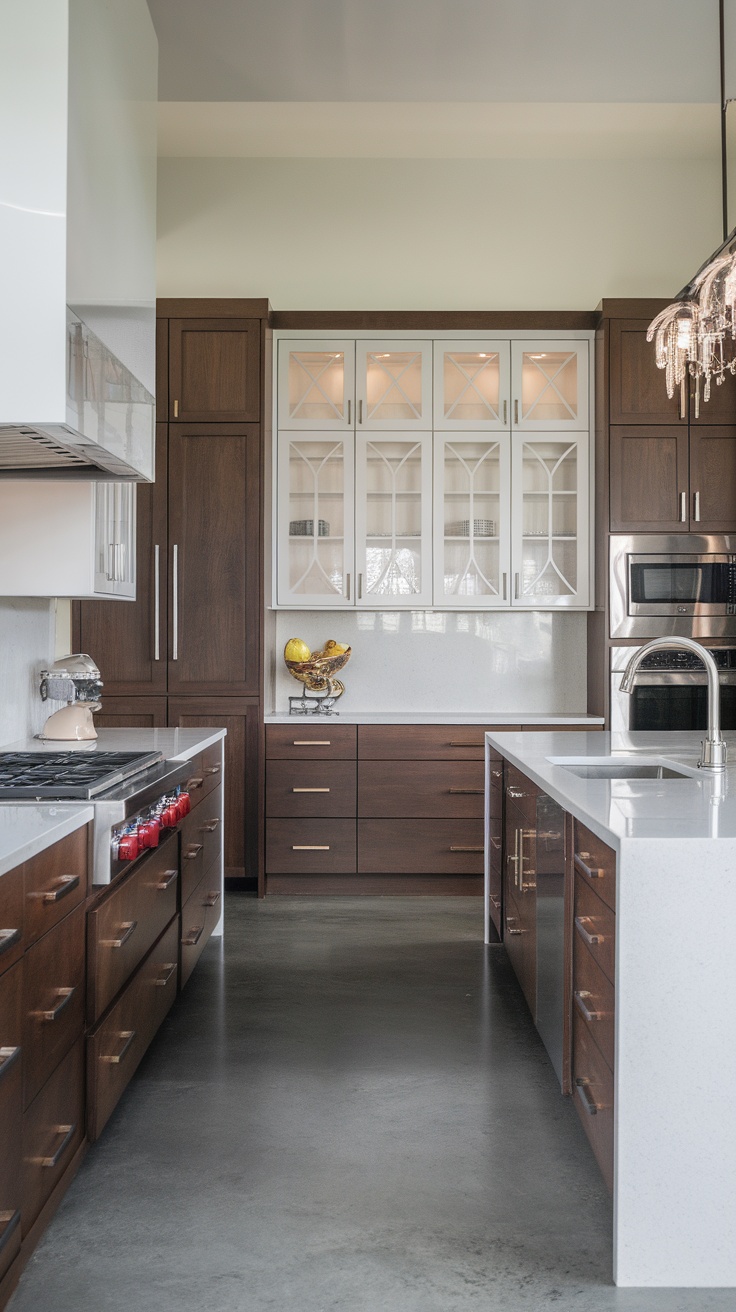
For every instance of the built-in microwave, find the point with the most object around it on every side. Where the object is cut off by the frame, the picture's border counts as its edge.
(680, 584)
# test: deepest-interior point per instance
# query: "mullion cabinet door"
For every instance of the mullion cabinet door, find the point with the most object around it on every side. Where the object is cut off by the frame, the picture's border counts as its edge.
(472, 519)
(316, 385)
(549, 516)
(472, 386)
(316, 545)
(549, 386)
(393, 385)
(393, 519)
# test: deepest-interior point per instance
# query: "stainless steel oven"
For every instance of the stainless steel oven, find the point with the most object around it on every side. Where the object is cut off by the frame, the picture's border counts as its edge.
(671, 690)
(681, 584)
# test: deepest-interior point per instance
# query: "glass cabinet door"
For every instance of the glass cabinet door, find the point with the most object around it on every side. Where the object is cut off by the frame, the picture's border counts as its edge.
(549, 386)
(104, 494)
(393, 525)
(315, 514)
(472, 385)
(471, 531)
(550, 521)
(125, 506)
(394, 385)
(316, 385)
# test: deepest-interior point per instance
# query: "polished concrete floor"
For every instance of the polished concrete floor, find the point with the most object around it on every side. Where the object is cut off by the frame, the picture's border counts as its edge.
(349, 1111)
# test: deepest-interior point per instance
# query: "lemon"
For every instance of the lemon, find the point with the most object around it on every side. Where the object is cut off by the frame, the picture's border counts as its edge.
(333, 648)
(296, 650)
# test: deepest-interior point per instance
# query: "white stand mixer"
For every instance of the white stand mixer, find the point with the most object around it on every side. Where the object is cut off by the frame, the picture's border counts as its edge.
(76, 679)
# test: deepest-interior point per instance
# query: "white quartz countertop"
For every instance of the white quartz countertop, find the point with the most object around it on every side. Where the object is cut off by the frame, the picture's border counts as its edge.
(176, 744)
(436, 717)
(27, 830)
(701, 806)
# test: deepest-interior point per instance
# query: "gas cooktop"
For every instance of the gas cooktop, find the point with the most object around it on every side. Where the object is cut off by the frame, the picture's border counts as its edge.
(69, 775)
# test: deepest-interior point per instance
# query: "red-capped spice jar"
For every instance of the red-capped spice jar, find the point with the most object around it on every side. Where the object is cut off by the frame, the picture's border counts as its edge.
(183, 805)
(148, 833)
(128, 846)
(170, 816)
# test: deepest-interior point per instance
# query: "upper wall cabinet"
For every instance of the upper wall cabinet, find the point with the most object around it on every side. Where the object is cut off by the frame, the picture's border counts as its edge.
(472, 385)
(471, 520)
(549, 386)
(394, 386)
(341, 383)
(393, 508)
(215, 371)
(316, 385)
(316, 541)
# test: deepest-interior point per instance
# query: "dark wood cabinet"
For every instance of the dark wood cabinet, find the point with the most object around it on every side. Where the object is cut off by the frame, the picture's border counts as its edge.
(132, 713)
(649, 479)
(494, 840)
(638, 394)
(520, 903)
(712, 504)
(214, 559)
(11, 1113)
(215, 371)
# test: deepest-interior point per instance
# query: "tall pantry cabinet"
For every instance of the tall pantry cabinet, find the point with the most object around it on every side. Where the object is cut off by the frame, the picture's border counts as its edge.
(188, 652)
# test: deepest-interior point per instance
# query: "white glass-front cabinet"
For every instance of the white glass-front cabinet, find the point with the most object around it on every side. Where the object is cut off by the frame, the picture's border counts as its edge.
(549, 386)
(472, 382)
(316, 389)
(393, 512)
(471, 520)
(550, 533)
(115, 539)
(316, 539)
(393, 385)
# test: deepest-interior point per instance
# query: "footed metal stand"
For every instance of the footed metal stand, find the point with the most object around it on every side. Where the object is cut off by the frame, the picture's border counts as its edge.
(313, 703)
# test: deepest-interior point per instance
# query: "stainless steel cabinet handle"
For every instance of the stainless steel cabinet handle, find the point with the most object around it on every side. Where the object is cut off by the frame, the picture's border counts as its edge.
(65, 996)
(682, 400)
(8, 1058)
(168, 878)
(10, 1227)
(360, 411)
(509, 922)
(170, 968)
(193, 938)
(347, 587)
(696, 507)
(683, 507)
(360, 587)
(580, 996)
(590, 872)
(110, 571)
(192, 852)
(586, 936)
(310, 790)
(350, 405)
(8, 939)
(586, 1097)
(175, 599)
(176, 409)
(465, 790)
(311, 742)
(503, 581)
(65, 885)
(497, 774)
(116, 1058)
(516, 586)
(212, 898)
(505, 412)
(68, 1132)
(157, 603)
(211, 825)
(514, 792)
(457, 848)
(496, 902)
(129, 927)
(310, 847)
(212, 769)
(516, 412)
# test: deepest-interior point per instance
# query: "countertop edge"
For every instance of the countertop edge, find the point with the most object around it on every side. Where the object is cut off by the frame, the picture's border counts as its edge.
(61, 819)
(433, 717)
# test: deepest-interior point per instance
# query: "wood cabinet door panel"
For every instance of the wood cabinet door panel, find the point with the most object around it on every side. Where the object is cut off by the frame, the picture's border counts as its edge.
(595, 924)
(637, 387)
(649, 479)
(243, 786)
(53, 1000)
(11, 917)
(299, 741)
(316, 788)
(162, 370)
(425, 742)
(132, 713)
(425, 788)
(214, 370)
(420, 847)
(593, 998)
(129, 638)
(53, 1130)
(11, 1112)
(196, 927)
(310, 847)
(122, 927)
(595, 863)
(720, 409)
(55, 882)
(214, 551)
(593, 1088)
(713, 477)
(204, 828)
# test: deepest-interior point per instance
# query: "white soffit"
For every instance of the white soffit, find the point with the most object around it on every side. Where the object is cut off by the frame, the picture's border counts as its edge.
(431, 130)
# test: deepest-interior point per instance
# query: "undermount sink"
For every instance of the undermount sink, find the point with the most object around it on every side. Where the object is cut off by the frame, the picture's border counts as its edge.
(621, 768)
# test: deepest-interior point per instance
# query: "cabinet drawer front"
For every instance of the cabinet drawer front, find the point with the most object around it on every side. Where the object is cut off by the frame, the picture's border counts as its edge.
(420, 847)
(422, 788)
(495, 777)
(594, 999)
(522, 793)
(205, 773)
(55, 882)
(595, 862)
(192, 853)
(322, 788)
(425, 742)
(11, 917)
(117, 1046)
(53, 1000)
(203, 826)
(197, 924)
(310, 847)
(53, 1130)
(11, 1112)
(595, 926)
(592, 1085)
(302, 741)
(122, 928)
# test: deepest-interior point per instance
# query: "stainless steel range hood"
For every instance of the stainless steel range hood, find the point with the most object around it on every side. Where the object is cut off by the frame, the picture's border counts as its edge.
(78, 87)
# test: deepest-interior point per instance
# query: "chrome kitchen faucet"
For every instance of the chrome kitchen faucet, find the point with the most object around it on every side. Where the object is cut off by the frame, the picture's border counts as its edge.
(713, 755)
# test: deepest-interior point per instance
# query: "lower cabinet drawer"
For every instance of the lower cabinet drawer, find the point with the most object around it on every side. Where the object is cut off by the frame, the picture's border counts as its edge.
(418, 847)
(424, 789)
(122, 928)
(54, 1003)
(310, 788)
(595, 926)
(310, 847)
(205, 773)
(11, 1113)
(116, 1047)
(55, 882)
(198, 919)
(595, 862)
(53, 1130)
(428, 742)
(594, 999)
(592, 1083)
(11, 917)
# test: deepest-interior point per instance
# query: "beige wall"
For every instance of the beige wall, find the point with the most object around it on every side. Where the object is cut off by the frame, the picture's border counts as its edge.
(425, 234)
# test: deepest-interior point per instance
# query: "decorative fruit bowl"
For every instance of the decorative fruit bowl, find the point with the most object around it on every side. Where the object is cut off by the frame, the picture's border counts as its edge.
(317, 670)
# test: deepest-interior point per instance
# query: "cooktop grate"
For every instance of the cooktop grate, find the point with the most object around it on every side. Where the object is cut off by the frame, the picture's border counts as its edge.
(78, 775)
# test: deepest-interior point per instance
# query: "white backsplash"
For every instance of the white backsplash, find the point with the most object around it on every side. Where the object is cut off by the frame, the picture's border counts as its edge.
(446, 661)
(26, 644)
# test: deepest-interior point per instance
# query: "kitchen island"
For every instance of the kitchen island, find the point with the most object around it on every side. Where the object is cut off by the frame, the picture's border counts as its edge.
(672, 848)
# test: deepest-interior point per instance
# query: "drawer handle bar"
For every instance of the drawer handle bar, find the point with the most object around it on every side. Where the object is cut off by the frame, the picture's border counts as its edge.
(195, 782)
(193, 938)
(310, 790)
(495, 843)
(211, 825)
(590, 872)
(168, 879)
(212, 899)
(65, 996)
(466, 790)
(457, 848)
(310, 847)
(212, 769)
(509, 930)
(162, 981)
(591, 1016)
(193, 851)
(8, 1058)
(586, 1096)
(497, 774)
(12, 1221)
(312, 742)
(8, 939)
(64, 886)
(116, 1058)
(129, 927)
(475, 746)
(496, 902)
(586, 936)
(515, 792)
(68, 1132)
